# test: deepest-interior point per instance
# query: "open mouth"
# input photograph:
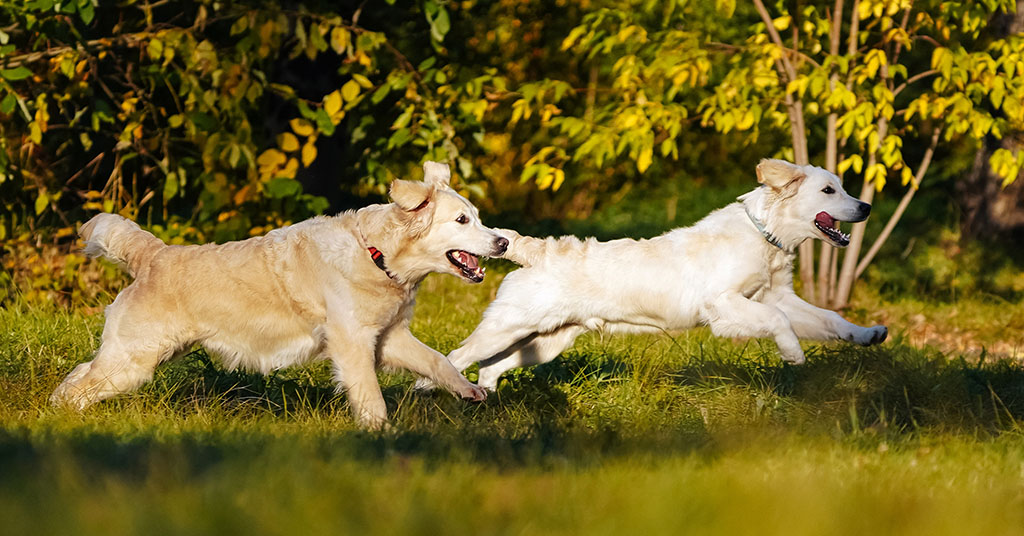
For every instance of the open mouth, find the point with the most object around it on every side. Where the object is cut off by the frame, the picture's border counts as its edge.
(826, 224)
(467, 263)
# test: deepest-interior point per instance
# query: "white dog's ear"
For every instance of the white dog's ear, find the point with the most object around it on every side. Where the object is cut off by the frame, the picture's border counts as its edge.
(411, 196)
(436, 174)
(778, 174)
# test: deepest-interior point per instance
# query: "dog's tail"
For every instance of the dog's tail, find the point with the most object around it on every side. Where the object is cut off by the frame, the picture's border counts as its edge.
(119, 240)
(523, 250)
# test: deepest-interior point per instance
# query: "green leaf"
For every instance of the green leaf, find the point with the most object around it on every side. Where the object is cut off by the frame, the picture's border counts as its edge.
(15, 74)
(86, 11)
(7, 105)
(170, 187)
(42, 200)
(281, 188)
(323, 122)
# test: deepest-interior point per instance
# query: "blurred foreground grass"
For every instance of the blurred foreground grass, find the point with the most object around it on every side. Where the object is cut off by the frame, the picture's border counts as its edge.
(624, 434)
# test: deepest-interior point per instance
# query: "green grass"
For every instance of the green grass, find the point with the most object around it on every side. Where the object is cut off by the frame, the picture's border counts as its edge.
(624, 434)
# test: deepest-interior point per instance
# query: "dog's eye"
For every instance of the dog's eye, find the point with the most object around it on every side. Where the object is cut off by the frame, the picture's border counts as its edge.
(829, 190)
(462, 219)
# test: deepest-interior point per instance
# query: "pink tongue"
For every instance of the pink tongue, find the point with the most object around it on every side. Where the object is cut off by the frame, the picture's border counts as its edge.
(825, 219)
(469, 260)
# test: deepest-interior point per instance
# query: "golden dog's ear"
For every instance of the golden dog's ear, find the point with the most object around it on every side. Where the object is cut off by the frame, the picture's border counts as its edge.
(410, 196)
(436, 174)
(777, 174)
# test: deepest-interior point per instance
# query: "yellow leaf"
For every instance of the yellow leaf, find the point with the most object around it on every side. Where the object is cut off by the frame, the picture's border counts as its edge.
(644, 160)
(559, 179)
(35, 133)
(241, 195)
(339, 40)
(746, 120)
(271, 158)
(350, 90)
(544, 178)
(308, 153)
(290, 168)
(782, 23)
(363, 81)
(332, 103)
(287, 142)
(907, 176)
(301, 127)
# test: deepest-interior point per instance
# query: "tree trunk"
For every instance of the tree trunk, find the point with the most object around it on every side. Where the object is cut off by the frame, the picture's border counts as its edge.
(852, 253)
(825, 282)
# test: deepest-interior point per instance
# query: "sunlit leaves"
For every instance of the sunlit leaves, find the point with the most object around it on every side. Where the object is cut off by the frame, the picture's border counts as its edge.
(961, 92)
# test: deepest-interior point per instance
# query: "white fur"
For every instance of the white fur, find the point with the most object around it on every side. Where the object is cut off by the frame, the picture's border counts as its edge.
(720, 272)
(307, 291)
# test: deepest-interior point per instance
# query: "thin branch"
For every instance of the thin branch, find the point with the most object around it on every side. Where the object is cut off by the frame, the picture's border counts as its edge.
(787, 50)
(913, 79)
(926, 161)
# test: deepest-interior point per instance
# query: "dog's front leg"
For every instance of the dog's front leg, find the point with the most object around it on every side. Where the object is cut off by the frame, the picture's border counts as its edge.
(732, 315)
(353, 352)
(810, 322)
(401, 349)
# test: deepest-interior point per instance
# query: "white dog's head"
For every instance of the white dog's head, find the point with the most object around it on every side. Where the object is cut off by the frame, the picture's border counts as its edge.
(442, 232)
(806, 202)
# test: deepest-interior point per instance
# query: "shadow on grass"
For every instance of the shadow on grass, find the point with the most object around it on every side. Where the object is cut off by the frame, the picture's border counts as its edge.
(893, 391)
(894, 387)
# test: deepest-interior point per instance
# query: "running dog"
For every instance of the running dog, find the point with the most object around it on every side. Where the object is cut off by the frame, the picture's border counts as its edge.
(732, 271)
(340, 288)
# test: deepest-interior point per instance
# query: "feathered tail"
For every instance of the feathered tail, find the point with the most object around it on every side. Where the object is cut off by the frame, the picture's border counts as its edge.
(119, 240)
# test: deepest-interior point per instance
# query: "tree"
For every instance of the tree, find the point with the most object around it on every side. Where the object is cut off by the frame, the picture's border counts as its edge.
(204, 113)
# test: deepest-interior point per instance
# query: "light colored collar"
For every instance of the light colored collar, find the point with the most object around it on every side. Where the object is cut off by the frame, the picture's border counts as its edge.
(772, 239)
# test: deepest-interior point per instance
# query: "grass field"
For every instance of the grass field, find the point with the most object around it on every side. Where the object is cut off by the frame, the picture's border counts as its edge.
(622, 435)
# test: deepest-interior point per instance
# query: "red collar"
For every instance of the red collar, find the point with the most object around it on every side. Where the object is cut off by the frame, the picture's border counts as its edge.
(378, 259)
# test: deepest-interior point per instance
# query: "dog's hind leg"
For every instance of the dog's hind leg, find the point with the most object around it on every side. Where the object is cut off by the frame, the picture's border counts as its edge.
(134, 343)
(537, 350)
(119, 367)
(733, 315)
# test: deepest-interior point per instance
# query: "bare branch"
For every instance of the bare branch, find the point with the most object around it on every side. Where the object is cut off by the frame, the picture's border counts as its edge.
(913, 79)
(926, 161)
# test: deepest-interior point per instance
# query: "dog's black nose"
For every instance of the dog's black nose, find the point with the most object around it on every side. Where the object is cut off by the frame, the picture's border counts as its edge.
(865, 210)
(500, 245)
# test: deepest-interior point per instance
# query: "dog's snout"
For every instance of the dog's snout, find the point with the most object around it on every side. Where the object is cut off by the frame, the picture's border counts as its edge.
(500, 245)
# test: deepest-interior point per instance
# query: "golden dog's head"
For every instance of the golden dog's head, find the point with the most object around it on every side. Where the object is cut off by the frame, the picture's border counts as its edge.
(442, 229)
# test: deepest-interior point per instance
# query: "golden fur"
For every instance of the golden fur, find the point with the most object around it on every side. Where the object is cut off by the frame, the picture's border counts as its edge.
(310, 290)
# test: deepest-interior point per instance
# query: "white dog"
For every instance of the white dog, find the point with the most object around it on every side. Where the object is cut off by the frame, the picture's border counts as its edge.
(340, 288)
(731, 271)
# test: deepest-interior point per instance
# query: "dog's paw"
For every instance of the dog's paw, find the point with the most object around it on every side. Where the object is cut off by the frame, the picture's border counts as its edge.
(795, 360)
(880, 334)
(871, 336)
(423, 385)
(473, 393)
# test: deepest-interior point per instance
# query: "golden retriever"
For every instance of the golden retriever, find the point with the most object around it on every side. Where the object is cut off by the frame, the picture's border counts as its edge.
(340, 288)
